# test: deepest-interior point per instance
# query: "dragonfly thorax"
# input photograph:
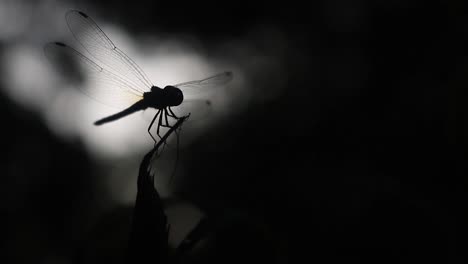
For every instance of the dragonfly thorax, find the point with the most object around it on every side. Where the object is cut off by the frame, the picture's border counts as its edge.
(161, 98)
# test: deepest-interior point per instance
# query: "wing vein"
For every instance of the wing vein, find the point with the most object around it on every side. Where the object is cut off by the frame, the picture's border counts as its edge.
(98, 44)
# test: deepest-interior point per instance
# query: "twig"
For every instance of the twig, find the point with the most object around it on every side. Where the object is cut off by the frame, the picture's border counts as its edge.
(168, 133)
(149, 222)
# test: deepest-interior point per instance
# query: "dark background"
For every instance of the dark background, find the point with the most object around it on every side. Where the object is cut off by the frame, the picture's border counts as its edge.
(361, 157)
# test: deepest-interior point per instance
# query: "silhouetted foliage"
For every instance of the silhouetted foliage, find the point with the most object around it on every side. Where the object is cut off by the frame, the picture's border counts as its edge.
(149, 235)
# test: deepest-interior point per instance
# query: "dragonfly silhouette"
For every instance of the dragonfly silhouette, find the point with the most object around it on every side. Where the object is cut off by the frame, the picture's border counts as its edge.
(120, 80)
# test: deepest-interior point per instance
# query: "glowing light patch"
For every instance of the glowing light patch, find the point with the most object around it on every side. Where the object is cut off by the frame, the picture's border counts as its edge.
(25, 72)
(31, 81)
(14, 18)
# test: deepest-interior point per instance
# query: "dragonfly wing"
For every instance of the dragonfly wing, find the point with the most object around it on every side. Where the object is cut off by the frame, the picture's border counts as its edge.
(101, 84)
(199, 109)
(199, 88)
(96, 42)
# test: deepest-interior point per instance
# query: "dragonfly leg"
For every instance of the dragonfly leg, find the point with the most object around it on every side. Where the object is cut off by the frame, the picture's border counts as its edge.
(159, 125)
(172, 113)
(165, 117)
(151, 124)
(164, 122)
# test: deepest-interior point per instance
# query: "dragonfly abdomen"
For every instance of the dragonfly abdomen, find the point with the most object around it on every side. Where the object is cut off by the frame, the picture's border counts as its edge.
(140, 105)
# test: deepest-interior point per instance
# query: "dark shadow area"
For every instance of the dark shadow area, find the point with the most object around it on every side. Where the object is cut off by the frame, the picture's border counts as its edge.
(149, 234)
(48, 195)
(362, 156)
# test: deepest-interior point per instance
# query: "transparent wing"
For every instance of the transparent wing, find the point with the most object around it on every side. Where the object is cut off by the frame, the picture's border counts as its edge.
(199, 109)
(96, 42)
(194, 89)
(101, 84)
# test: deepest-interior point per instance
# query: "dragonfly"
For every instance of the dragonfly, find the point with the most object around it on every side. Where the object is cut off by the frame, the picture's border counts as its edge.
(119, 80)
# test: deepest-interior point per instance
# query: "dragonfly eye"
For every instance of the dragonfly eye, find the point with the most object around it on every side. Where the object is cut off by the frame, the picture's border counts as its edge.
(179, 96)
(175, 95)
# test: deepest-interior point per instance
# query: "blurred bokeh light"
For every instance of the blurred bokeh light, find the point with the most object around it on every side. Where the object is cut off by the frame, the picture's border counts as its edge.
(31, 81)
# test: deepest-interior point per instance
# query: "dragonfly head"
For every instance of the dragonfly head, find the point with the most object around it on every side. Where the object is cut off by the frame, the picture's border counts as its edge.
(174, 95)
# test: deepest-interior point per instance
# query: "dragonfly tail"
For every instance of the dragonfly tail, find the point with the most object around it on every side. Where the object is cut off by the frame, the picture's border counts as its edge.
(130, 110)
